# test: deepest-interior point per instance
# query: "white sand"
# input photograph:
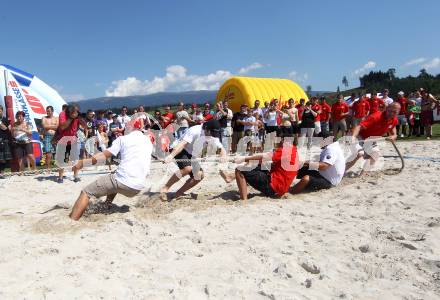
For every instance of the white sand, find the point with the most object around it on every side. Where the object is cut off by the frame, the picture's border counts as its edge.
(372, 238)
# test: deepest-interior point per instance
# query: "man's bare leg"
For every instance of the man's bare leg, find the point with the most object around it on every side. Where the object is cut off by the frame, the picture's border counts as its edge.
(173, 179)
(228, 177)
(241, 184)
(301, 185)
(190, 183)
(80, 206)
(109, 200)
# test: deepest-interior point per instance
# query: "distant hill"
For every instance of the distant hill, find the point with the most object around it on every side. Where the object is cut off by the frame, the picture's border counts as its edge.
(156, 100)
(153, 100)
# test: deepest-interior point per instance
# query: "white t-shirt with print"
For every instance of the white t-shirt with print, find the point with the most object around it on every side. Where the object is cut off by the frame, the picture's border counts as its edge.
(249, 127)
(135, 149)
(196, 139)
(333, 155)
(181, 118)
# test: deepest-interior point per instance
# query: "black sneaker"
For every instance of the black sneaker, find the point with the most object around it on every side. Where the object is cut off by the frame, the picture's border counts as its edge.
(76, 179)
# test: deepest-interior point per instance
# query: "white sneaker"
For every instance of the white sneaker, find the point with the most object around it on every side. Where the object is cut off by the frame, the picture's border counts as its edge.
(402, 136)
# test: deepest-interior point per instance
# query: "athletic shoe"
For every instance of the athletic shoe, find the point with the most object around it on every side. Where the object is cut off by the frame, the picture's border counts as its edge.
(77, 179)
(60, 180)
(402, 136)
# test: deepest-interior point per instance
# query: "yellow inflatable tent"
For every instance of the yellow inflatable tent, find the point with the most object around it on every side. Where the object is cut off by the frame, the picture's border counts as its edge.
(245, 90)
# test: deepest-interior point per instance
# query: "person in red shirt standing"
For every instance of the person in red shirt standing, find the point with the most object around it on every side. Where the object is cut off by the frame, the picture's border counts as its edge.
(375, 125)
(272, 183)
(69, 121)
(402, 117)
(325, 116)
(339, 113)
(167, 117)
(300, 107)
(360, 109)
(317, 109)
(376, 104)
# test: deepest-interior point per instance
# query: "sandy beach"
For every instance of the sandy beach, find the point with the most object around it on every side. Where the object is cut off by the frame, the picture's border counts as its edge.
(376, 237)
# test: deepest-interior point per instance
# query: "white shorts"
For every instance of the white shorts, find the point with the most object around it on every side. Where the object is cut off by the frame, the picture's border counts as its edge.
(317, 127)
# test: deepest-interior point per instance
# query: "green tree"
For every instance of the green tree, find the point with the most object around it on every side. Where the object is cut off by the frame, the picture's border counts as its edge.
(338, 90)
(345, 81)
(309, 90)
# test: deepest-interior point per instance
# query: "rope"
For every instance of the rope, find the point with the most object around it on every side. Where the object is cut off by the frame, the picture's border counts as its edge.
(400, 156)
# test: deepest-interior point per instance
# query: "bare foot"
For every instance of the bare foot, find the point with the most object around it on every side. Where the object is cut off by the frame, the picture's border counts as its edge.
(163, 194)
(228, 177)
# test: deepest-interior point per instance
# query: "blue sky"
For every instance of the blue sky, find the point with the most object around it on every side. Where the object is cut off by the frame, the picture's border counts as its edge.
(89, 49)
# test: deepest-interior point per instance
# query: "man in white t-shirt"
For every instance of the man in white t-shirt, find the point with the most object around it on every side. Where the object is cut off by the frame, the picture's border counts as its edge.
(325, 174)
(129, 179)
(386, 98)
(191, 146)
(182, 120)
(123, 117)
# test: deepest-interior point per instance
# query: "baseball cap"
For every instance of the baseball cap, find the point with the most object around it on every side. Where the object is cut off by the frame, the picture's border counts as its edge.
(401, 93)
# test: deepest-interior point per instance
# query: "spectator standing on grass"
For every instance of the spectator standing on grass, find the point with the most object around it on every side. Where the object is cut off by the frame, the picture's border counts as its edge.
(386, 98)
(428, 104)
(50, 126)
(402, 117)
(325, 116)
(376, 104)
(5, 139)
(339, 115)
(360, 109)
(413, 111)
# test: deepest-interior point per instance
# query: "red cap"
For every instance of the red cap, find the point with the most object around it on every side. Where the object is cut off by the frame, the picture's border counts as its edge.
(194, 105)
(137, 124)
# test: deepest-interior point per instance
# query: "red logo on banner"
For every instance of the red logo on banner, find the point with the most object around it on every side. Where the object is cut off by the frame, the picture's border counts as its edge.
(34, 103)
(13, 84)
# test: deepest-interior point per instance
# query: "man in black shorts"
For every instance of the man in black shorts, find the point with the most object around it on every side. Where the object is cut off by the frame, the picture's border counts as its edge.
(188, 146)
(272, 182)
(326, 173)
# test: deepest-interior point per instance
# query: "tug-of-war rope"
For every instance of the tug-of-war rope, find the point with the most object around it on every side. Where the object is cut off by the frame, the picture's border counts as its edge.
(215, 159)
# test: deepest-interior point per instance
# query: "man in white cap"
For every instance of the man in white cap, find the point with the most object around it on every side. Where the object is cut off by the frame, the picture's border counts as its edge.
(135, 149)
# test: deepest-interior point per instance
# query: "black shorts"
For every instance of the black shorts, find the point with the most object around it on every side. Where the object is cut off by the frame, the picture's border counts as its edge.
(183, 164)
(259, 180)
(270, 129)
(317, 182)
(295, 129)
(22, 150)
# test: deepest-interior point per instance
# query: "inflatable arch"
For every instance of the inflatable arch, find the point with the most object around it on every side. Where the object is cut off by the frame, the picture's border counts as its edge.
(245, 90)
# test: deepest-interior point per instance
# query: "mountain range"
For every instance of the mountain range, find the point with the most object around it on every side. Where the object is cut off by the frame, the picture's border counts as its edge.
(155, 100)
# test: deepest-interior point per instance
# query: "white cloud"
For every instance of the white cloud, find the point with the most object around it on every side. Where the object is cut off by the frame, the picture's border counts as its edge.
(364, 68)
(432, 64)
(250, 68)
(176, 78)
(295, 76)
(415, 61)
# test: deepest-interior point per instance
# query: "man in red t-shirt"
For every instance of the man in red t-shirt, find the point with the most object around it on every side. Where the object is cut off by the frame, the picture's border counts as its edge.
(402, 117)
(376, 104)
(167, 117)
(375, 125)
(360, 110)
(325, 116)
(300, 107)
(67, 127)
(272, 183)
(339, 113)
(317, 109)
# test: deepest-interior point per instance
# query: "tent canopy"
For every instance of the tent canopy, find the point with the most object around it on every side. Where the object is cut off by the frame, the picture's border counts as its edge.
(245, 90)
